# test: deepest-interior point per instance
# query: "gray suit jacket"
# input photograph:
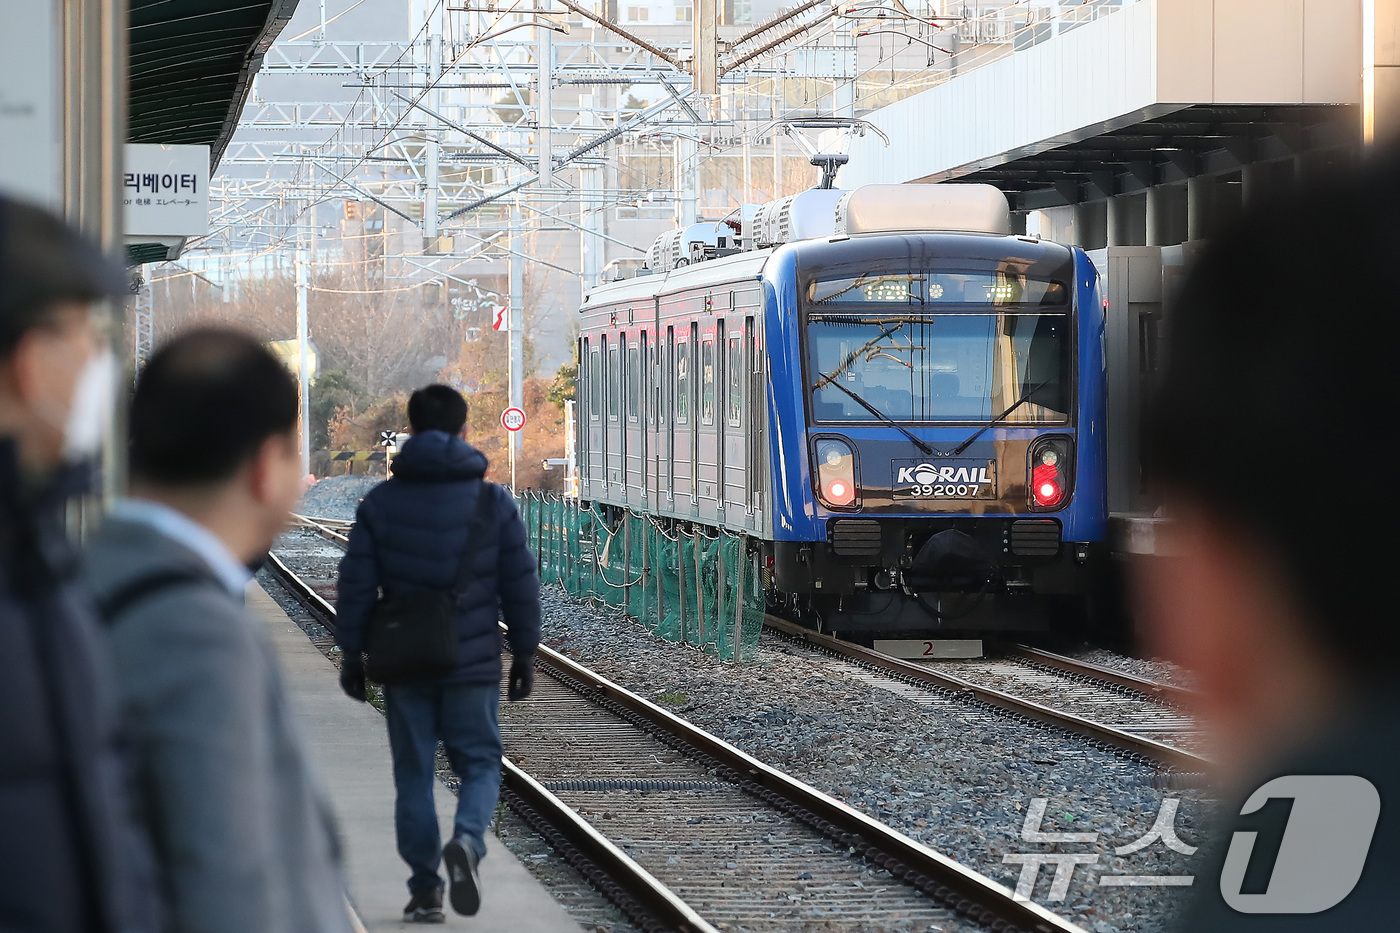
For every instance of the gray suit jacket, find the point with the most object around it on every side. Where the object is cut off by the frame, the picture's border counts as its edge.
(243, 833)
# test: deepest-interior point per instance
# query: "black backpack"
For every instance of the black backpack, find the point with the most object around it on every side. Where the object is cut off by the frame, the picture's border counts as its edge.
(413, 636)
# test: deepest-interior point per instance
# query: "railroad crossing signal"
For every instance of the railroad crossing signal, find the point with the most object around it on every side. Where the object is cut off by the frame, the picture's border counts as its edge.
(501, 319)
(513, 419)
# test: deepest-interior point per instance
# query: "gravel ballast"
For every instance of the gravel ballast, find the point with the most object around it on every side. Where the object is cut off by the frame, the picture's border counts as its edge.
(336, 496)
(947, 773)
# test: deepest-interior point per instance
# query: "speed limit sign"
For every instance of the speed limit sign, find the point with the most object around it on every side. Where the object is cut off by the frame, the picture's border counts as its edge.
(513, 419)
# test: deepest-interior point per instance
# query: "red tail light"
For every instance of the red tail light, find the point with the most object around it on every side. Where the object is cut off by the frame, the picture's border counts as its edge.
(1051, 472)
(840, 492)
(1046, 488)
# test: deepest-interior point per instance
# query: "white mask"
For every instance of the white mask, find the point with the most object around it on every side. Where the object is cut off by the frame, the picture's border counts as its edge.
(90, 413)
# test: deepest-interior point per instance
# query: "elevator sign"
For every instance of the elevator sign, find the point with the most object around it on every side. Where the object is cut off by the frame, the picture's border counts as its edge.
(513, 419)
(165, 190)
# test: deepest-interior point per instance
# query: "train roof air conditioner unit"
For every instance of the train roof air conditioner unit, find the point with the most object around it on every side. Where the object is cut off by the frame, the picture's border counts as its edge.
(673, 248)
(803, 216)
(944, 208)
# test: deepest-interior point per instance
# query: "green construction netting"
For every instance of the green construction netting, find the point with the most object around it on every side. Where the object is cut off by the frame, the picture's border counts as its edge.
(700, 588)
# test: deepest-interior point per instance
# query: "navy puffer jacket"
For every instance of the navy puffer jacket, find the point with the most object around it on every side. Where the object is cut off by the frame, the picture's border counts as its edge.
(409, 534)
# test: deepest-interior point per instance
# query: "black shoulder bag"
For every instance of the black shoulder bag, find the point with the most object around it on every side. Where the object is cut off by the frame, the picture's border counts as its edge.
(413, 636)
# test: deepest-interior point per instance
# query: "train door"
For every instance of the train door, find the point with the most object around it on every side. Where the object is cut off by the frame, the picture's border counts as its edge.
(633, 426)
(736, 417)
(615, 452)
(757, 410)
(707, 448)
(683, 430)
(666, 469)
(692, 386)
(649, 389)
(598, 417)
(584, 411)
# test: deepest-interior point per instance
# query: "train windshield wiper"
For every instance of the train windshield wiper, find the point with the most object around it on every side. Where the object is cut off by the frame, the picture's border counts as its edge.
(832, 381)
(1000, 418)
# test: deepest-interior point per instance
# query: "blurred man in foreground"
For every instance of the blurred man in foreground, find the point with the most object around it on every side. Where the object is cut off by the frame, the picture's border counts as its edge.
(70, 854)
(1270, 437)
(243, 833)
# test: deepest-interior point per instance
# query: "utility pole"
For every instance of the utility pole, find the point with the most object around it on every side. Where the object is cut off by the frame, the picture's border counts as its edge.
(544, 110)
(431, 156)
(517, 328)
(687, 168)
(145, 316)
(303, 364)
(591, 245)
(705, 50)
(303, 358)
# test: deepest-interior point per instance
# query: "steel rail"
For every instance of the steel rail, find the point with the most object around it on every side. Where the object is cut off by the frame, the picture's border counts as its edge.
(324, 530)
(1150, 689)
(1175, 758)
(892, 850)
(959, 886)
(653, 897)
(314, 602)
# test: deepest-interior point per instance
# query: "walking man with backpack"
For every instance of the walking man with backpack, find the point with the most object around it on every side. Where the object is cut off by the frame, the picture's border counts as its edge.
(437, 557)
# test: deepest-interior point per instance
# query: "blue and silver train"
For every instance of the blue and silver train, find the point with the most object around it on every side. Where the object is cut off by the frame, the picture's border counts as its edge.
(900, 403)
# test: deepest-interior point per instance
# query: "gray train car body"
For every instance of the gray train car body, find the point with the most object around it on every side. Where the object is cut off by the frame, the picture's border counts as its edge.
(673, 416)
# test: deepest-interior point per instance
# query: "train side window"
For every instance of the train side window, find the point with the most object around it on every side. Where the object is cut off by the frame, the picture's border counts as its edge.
(594, 386)
(634, 381)
(665, 375)
(657, 414)
(682, 382)
(707, 382)
(736, 380)
(614, 383)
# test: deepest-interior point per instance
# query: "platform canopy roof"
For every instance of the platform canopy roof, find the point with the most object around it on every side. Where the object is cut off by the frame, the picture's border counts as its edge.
(193, 63)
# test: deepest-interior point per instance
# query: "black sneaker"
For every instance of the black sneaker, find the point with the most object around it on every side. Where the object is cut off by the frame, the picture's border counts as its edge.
(461, 875)
(425, 907)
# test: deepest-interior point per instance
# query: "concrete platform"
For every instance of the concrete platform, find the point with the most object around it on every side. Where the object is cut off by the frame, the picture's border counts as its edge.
(351, 749)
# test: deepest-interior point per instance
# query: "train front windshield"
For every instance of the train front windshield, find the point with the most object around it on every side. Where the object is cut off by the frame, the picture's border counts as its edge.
(930, 347)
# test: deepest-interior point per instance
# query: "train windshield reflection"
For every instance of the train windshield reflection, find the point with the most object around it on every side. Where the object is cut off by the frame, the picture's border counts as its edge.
(962, 367)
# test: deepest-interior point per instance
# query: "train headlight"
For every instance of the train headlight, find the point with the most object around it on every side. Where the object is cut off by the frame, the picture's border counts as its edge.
(836, 473)
(1051, 473)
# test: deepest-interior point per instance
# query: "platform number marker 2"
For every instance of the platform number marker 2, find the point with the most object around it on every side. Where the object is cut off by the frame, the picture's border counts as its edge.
(513, 419)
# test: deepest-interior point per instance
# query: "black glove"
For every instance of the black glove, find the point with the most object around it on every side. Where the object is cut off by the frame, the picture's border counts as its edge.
(522, 677)
(352, 677)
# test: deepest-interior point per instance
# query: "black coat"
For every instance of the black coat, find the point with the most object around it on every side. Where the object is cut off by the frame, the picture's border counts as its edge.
(410, 533)
(71, 855)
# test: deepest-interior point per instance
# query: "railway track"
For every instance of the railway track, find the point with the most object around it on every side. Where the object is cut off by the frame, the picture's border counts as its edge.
(1133, 716)
(1130, 715)
(685, 832)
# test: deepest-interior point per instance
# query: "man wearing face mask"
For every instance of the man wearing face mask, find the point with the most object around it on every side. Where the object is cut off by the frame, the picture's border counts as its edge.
(71, 855)
(243, 832)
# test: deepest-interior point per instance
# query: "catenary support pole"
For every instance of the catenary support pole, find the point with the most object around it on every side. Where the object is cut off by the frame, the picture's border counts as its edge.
(705, 59)
(545, 135)
(303, 362)
(517, 326)
(433, 152)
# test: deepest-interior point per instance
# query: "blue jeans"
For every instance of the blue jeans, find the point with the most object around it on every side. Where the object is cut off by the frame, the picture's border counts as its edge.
(463, 716)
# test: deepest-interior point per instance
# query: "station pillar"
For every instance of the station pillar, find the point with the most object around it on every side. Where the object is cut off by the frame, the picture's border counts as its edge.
(1200, 207)
(1380, 72)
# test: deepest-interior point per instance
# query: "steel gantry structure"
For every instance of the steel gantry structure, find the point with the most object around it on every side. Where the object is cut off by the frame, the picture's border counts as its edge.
(479, 121)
